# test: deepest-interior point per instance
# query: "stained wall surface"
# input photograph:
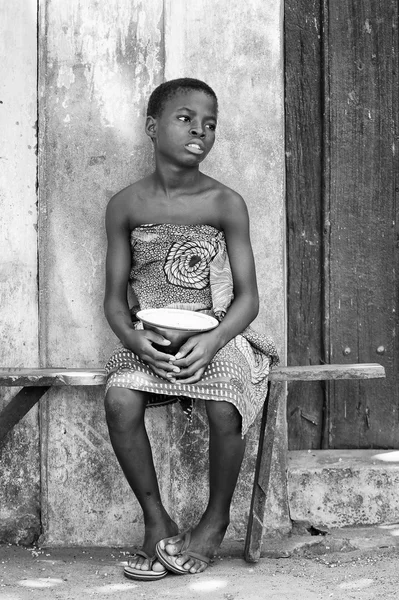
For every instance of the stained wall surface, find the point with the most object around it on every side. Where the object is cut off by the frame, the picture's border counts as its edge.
(19, 456)
(98, 64)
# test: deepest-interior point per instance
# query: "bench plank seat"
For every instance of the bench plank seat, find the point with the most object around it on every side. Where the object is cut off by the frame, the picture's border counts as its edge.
(35, 382)
(49, 377)
(24, 377)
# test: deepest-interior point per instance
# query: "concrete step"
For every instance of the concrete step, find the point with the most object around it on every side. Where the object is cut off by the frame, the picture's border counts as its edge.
(343, 488)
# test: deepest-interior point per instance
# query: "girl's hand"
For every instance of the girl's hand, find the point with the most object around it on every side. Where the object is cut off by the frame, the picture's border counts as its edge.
(140, 341)
(194, 356)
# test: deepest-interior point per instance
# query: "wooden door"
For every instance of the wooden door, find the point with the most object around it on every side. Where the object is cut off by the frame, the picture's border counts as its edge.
(342, 191)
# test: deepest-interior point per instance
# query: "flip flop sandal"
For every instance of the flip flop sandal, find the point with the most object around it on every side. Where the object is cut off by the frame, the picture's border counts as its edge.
(169, 561)
(141, 575)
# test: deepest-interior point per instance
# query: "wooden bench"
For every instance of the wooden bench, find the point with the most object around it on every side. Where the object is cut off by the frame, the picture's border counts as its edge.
(35, 383)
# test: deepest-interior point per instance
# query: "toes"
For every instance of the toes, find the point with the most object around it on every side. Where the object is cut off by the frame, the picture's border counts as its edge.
(185, 561)
(172, 545)
(172, 549)
(197, 566)
(201, 567)
(132, 563)
(139, 563)
(190, 566)
(142, 564)
(157, 567)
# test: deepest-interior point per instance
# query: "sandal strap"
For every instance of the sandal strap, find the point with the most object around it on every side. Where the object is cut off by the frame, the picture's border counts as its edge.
(197, 556)
(144, 555)
(186, 542)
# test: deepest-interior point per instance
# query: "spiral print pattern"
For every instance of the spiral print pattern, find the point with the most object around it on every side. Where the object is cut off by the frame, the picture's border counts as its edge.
(187, 263)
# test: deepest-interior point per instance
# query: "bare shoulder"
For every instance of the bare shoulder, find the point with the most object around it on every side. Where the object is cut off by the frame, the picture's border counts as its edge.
(230, 206)
(125, 197)
(231, 199)
(125, 204)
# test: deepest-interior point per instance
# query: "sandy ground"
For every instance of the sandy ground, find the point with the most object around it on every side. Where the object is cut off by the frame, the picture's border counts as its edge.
(69, 574)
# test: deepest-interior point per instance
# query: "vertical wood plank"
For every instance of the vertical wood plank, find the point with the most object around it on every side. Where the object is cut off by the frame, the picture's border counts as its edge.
(268, 444)
(363, 75)
(304, 162)
(236, 48)
(20, 473)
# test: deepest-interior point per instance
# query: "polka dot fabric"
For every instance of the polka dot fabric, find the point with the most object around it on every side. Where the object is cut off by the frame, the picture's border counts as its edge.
(170, 267)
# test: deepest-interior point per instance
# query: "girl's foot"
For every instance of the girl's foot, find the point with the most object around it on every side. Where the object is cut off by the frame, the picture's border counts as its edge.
(205, 540)
(153, 533)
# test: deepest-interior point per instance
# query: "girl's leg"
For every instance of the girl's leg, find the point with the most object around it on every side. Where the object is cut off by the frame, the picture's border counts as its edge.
(226, 451)
(125, 418)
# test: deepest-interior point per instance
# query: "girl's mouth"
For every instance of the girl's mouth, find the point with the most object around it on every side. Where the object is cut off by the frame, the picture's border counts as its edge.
(194, 148)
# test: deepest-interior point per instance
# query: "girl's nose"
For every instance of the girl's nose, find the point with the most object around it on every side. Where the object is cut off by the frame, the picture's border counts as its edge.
(197, 130)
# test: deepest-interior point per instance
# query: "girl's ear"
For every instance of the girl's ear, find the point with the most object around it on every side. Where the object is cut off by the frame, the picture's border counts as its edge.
(151, 127)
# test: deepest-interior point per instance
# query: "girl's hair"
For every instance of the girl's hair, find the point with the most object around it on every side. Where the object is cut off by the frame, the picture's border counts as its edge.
(168, 89)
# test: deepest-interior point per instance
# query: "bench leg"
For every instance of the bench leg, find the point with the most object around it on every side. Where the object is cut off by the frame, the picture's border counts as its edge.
(18, 407)
(260, 491)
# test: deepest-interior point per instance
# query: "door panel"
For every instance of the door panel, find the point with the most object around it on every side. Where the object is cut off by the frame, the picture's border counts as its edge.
(362, 266)
(304, 216)
(342, 299)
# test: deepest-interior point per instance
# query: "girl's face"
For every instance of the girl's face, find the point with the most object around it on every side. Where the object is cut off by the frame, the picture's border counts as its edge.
(185, 131)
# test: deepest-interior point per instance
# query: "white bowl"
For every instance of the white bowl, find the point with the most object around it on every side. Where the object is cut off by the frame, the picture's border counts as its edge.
(175, 324)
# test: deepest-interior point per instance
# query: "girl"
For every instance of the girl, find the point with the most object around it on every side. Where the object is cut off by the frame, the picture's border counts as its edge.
(181, 239)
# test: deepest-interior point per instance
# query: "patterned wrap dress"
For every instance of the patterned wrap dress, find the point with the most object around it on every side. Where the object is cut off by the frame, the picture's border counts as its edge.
(187, 267)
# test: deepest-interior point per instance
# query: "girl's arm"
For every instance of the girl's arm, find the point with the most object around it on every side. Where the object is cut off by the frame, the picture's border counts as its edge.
(245, 306)
(116, 308)
(199, 350)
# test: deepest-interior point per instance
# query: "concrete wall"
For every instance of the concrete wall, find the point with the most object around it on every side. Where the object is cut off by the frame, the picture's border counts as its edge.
(19, 458)
(98, 64)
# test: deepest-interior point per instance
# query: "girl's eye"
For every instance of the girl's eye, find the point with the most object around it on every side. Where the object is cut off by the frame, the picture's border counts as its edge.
(211, 126)
(184, 118)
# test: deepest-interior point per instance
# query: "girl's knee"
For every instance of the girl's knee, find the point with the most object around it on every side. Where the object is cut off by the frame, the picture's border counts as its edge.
(224, 417)
(123, 407)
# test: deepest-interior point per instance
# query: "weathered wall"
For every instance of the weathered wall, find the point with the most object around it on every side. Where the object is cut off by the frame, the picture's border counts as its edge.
(19, 457)
(237, 48)
(98, 64)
